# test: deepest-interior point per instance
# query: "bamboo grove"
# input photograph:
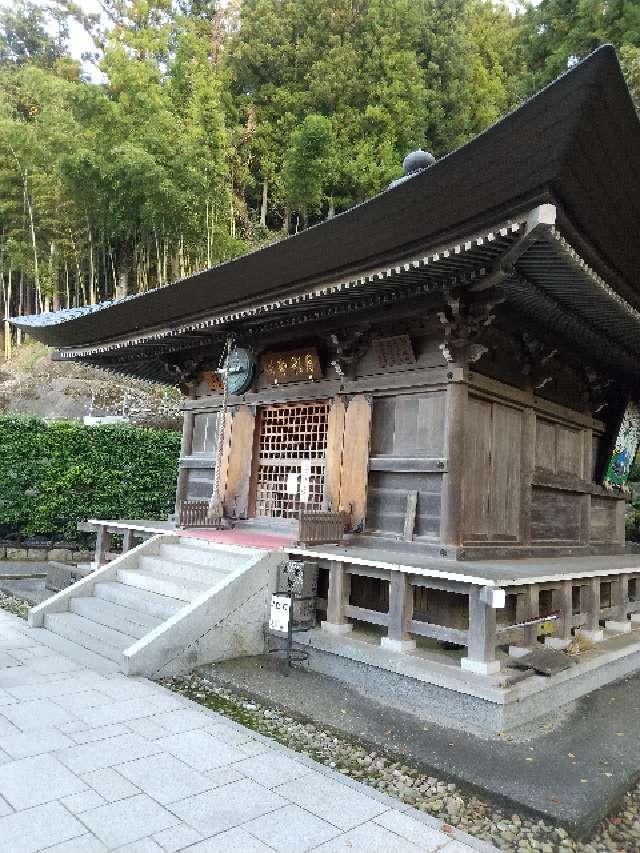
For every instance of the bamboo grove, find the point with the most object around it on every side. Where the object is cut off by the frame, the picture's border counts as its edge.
(204, 131)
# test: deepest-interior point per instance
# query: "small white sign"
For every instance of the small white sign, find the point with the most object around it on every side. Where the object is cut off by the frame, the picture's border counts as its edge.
(292, 483)
(280, 610)
(305, 480)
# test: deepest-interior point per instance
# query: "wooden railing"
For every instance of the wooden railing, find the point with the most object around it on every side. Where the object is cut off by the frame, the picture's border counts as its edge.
(194, 514)
(321, 528)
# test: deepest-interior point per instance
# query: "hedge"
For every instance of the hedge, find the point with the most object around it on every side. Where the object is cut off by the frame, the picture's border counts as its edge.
(54, 474)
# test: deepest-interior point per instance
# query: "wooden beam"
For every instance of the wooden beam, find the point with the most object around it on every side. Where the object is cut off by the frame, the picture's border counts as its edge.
(400, 614)
(337, 600)
(451, 521)
(355, 460)
(239, 463)
(333, 463)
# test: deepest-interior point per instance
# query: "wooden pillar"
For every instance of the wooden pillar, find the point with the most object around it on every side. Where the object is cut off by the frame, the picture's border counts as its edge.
(481, 643)
(400, 613)
(527, 468)
(337, 597)
(585, 500)
(185, 451)
(532, 612)
(355, 460)
(451, 521)
(620, 510)
(238, 463)
(103, 545)
(333, 464)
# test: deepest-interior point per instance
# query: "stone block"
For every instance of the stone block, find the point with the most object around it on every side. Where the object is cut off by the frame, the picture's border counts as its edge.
(3, 552)
(61, 555)
(17, 554)
(618, 627)
(594, 635)
(635, 618)
(397, 645)
(37, 555)
(61, 575)
(557, 643)
(81, 556)
(519, 651)
(480, 667)
(335, 628)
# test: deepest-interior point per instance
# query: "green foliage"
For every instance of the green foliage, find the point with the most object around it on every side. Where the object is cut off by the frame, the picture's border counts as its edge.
(56, 474)
(308, 164)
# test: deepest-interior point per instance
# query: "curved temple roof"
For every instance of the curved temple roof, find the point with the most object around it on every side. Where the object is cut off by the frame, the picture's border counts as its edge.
(576, 145)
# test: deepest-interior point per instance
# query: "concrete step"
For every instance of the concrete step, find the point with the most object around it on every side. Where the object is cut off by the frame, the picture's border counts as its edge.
(213, 558)
(206, 546)
(180, 588)
(160, 606)
(197, 573)
(90, 635)
(123, 619)
(71, 650)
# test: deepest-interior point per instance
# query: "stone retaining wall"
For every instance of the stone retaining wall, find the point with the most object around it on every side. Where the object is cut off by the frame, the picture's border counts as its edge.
(42, 555)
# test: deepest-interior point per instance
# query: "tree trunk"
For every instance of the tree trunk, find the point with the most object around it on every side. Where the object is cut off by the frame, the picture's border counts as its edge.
(265, 201)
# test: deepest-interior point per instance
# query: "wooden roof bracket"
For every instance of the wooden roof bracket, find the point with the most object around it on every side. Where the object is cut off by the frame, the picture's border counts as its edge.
(540, 220)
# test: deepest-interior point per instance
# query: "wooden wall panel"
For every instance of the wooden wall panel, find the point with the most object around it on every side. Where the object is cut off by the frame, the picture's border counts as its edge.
(504, 491)
(477, 469)
(335, 438)
(355, 458)
(387, 502)
(205, 434)
(545, 445)
(239, 465)
(603, 519)
(409, 425)
(555, 515)
(569, 451)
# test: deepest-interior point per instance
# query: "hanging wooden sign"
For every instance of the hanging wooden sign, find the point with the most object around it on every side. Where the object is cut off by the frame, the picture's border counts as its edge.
(298, 365)
(213, 380)
(394, 351)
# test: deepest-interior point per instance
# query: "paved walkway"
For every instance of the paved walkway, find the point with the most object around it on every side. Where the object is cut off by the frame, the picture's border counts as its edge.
(92, 762)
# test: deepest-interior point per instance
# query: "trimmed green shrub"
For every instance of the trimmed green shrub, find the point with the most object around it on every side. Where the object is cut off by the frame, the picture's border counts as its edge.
(54, 474)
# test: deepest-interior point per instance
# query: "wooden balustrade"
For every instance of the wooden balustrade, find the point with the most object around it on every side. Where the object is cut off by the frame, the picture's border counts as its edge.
(194, 514)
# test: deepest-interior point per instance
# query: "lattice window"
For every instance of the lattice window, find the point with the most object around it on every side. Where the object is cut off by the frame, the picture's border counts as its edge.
(291, 466)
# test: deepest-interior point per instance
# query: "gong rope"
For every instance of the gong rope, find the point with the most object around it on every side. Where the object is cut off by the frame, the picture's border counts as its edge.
(215, 510)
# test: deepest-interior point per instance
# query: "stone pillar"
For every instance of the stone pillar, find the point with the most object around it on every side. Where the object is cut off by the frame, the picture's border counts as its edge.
(127, 540)
(592, 629)
(618, 621)
(564, 598)
(337, 597)
(481, 643)
(400, 614)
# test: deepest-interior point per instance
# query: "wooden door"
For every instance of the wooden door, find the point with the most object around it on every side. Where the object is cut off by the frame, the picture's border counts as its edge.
(290, 459)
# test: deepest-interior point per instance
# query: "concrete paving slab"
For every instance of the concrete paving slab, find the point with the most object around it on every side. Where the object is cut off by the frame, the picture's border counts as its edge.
(129, 820)
(109, 784)
(34, 781)
(373, 839)
(164, 778)
(271, 769)
(199, 750)
(131, 767)
(40, 827)
(224, 808)
(319, 795)
(292, 830)
(33, 742)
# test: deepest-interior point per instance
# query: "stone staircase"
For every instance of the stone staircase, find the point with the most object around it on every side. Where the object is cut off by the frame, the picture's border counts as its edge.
(169, 604)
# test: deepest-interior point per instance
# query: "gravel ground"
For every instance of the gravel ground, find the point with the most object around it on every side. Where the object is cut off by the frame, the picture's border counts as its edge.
(14, 605)
(394, 776)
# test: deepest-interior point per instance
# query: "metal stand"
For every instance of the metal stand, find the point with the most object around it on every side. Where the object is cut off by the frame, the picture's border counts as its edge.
(288, 655)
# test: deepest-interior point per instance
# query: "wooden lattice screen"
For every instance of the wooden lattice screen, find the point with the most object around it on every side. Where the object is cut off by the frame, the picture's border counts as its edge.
(292, 448)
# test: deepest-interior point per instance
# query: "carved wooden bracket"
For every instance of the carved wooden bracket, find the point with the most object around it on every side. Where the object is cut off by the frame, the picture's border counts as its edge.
(348, 349)
(465, 315)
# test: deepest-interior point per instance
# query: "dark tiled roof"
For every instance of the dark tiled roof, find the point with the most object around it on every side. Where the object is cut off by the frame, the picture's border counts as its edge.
(576, 143)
